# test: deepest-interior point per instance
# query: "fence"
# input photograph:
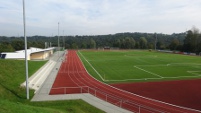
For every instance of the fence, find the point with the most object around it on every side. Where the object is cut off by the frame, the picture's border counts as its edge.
(115, 100)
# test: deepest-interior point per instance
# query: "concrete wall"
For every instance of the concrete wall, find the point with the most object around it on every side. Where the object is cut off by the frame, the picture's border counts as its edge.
(32, 54)
(37, 56)
(41, 55)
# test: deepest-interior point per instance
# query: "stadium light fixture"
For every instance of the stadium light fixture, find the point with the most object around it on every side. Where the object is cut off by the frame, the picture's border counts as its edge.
(25, 46)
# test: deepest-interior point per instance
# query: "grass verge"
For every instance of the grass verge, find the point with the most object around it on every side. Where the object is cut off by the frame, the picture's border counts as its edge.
(13, 97)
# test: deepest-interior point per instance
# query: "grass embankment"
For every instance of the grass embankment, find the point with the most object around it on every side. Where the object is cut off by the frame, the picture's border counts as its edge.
(13, 97)
(140, 66)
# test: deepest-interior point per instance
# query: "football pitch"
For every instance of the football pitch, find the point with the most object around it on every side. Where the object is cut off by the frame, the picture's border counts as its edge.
(138, 66)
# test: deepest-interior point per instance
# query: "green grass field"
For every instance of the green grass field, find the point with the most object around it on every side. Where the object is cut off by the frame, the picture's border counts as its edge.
(13, 97)
(140, 66)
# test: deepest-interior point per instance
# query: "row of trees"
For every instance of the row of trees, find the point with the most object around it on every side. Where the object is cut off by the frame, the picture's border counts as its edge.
(189, 41)
(192, 42)
(18, 44)
(125, 41)
(130, 43)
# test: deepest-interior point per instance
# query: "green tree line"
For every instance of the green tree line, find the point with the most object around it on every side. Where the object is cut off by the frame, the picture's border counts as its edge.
(189, 41)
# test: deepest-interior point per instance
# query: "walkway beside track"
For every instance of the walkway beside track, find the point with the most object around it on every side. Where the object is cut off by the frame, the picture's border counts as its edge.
(42, 93)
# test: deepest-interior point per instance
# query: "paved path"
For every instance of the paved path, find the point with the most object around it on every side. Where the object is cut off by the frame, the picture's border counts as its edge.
(42, 93)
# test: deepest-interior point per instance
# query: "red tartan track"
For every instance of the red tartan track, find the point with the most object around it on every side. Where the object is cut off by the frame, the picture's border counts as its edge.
(181, 92)
(73, 78)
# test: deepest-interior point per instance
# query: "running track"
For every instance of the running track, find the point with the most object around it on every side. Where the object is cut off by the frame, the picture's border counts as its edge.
(73, 78)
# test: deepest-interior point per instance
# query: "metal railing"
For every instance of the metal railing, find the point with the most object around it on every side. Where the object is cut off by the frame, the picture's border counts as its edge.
(115, 100)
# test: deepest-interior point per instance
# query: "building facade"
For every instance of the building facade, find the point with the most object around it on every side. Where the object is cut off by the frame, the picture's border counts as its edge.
(32, 54)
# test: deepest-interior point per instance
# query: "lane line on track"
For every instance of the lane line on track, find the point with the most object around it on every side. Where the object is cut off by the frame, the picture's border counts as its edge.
(73, 74)
(145, 97)
(103, 85)
(119, 93)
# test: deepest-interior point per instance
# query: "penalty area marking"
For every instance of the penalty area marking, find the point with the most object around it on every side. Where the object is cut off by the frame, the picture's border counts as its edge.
(114, 80)
(148, 72)
(144, 71)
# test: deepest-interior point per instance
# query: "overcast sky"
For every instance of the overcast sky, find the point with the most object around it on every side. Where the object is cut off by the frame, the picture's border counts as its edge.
(97, 17)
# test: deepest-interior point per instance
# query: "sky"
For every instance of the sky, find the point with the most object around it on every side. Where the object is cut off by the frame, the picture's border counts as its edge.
(98, 17)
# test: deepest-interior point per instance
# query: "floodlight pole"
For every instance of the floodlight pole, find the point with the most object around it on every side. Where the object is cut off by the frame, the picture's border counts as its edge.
(25, 46)
(58, 38)
(155, 41)
(63, 41)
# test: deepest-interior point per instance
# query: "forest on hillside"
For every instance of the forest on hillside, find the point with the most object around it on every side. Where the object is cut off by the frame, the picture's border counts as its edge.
(189, 41)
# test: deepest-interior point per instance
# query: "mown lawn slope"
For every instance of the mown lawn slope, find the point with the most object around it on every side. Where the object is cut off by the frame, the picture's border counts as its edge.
(13, 97)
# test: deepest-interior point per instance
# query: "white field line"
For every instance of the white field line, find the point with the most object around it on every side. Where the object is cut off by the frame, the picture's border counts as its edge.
(123, 80)
(152, 65)
(182, 64)
(114, 80)
(92, 67)
(145, 71)
(146, 97)
(191, 72)
(148, 72)
(183, 76)
(194, 73)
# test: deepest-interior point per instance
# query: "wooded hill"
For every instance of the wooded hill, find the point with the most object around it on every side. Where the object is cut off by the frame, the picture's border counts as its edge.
(189, 41)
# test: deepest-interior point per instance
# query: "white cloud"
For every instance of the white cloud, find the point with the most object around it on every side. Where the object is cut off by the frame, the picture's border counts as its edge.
(85, 17)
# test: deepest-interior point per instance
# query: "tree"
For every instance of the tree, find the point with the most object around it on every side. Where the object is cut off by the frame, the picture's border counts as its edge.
(92, 44)
(123, 44)
(74, 46)
(18, 44)
(67, 46)
(195, 37)
(6, 47)
(132, 43)
(151, 45)
(117, 43)
(199, 45)
(129, 43)
(137, 45)
(84, 45)
(174, 44)
(121, 40)
(143, 43)
(192, 41)
(187, 41)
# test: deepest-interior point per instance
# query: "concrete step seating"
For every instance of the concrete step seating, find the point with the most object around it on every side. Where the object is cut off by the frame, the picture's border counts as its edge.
(37, 79)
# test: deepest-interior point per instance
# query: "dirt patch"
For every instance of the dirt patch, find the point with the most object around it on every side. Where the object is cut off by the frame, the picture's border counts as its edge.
(185, 93)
